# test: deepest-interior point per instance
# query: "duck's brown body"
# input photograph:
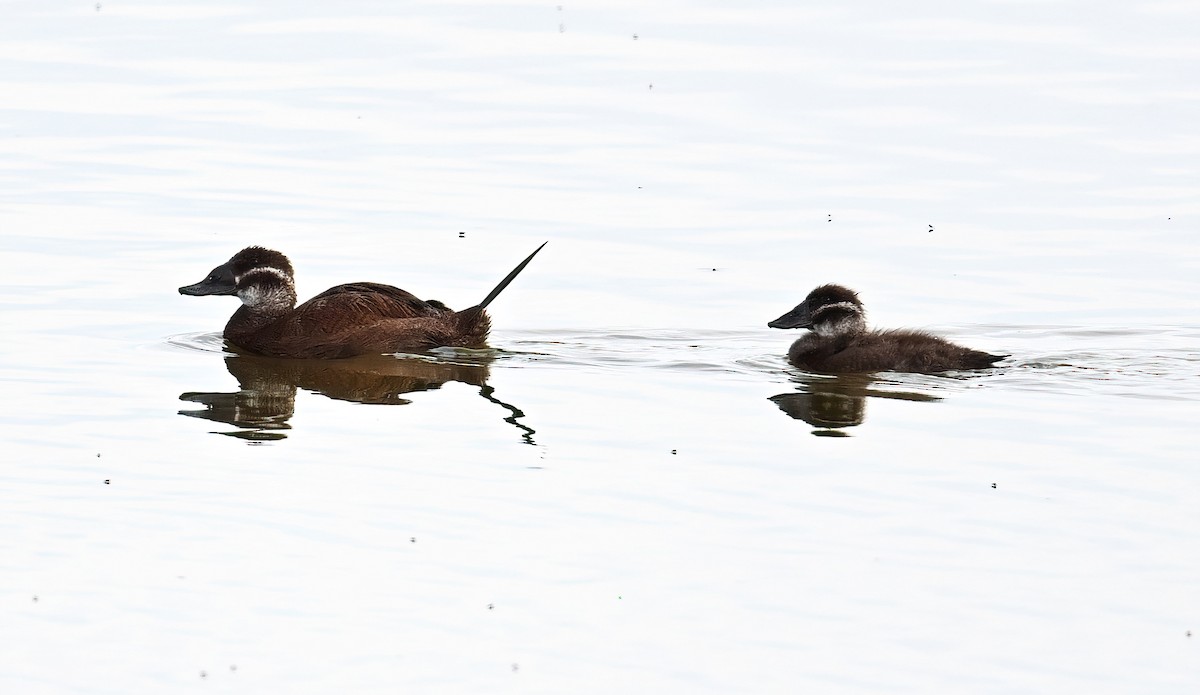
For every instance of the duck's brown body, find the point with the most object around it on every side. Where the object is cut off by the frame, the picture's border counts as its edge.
(355, 319)
(362, 318)
(840, 342)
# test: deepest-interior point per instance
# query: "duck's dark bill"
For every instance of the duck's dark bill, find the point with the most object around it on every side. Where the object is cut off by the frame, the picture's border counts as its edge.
(796, 318)
(219, 281)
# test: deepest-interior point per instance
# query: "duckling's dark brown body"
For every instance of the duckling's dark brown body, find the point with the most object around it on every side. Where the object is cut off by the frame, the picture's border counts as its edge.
(885, 351)
(355, 319)
(840, 342)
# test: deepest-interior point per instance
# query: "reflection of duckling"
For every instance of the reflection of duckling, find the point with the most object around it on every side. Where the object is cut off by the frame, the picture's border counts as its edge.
(356, 319)
(840, 342)
(832, 403)
(823, 410)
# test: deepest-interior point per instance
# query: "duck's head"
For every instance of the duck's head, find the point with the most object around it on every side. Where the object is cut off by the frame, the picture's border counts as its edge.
(827, 310)
(260, 277)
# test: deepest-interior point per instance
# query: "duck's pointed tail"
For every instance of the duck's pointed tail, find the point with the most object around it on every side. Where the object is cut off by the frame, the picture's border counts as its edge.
(473, 319)
(508, 279)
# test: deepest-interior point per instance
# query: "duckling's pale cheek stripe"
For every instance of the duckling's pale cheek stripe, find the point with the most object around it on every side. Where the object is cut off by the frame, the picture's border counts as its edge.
(839, 327)
(844, 306)
(852, 322)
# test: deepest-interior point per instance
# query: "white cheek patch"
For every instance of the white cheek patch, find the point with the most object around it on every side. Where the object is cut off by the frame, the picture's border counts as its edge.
(274, 292)
(255, 296)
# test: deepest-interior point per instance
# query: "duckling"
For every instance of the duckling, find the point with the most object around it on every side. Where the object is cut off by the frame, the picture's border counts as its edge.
(354, 319)
(840, 342)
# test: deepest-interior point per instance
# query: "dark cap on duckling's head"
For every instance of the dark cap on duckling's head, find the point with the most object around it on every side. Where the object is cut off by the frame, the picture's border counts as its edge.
(825, 304)
(224, 278)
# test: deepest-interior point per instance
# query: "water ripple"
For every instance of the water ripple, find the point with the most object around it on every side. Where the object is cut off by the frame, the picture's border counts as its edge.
(1141, 362)
(199, 342)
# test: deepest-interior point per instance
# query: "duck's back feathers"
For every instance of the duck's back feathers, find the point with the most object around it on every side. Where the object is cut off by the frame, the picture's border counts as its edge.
(358, 302)
(356, 319)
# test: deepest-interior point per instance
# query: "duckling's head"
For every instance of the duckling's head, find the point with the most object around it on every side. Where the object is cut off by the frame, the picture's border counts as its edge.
(828, 310)
(260, 277)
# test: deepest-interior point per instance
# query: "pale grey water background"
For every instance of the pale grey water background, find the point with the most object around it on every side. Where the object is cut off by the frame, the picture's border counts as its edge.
(1022, 176)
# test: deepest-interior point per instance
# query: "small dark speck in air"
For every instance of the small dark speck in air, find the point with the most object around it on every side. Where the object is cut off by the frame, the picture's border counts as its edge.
(993, 486)
(515, 668)
(830, 218)
(672, 452)
(412, 540)
(106, 482)
(97, 455)
(462, 235)
(651, 86)
(35, 601)
(98, 6)
(635, 37)
(233, 667)
(491, 606)
(203, 674)
(1188, 633)
(930, 229)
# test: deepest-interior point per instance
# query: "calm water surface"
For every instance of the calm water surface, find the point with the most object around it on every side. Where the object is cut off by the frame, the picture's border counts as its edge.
(631, 491)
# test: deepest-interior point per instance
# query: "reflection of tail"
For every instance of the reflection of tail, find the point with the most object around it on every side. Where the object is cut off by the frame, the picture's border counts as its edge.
(468, 317)
(487, 391)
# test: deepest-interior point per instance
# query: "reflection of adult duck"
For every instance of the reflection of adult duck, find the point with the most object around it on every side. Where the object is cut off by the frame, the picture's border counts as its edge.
(832, 403)
(841, 344)
(267, 395)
